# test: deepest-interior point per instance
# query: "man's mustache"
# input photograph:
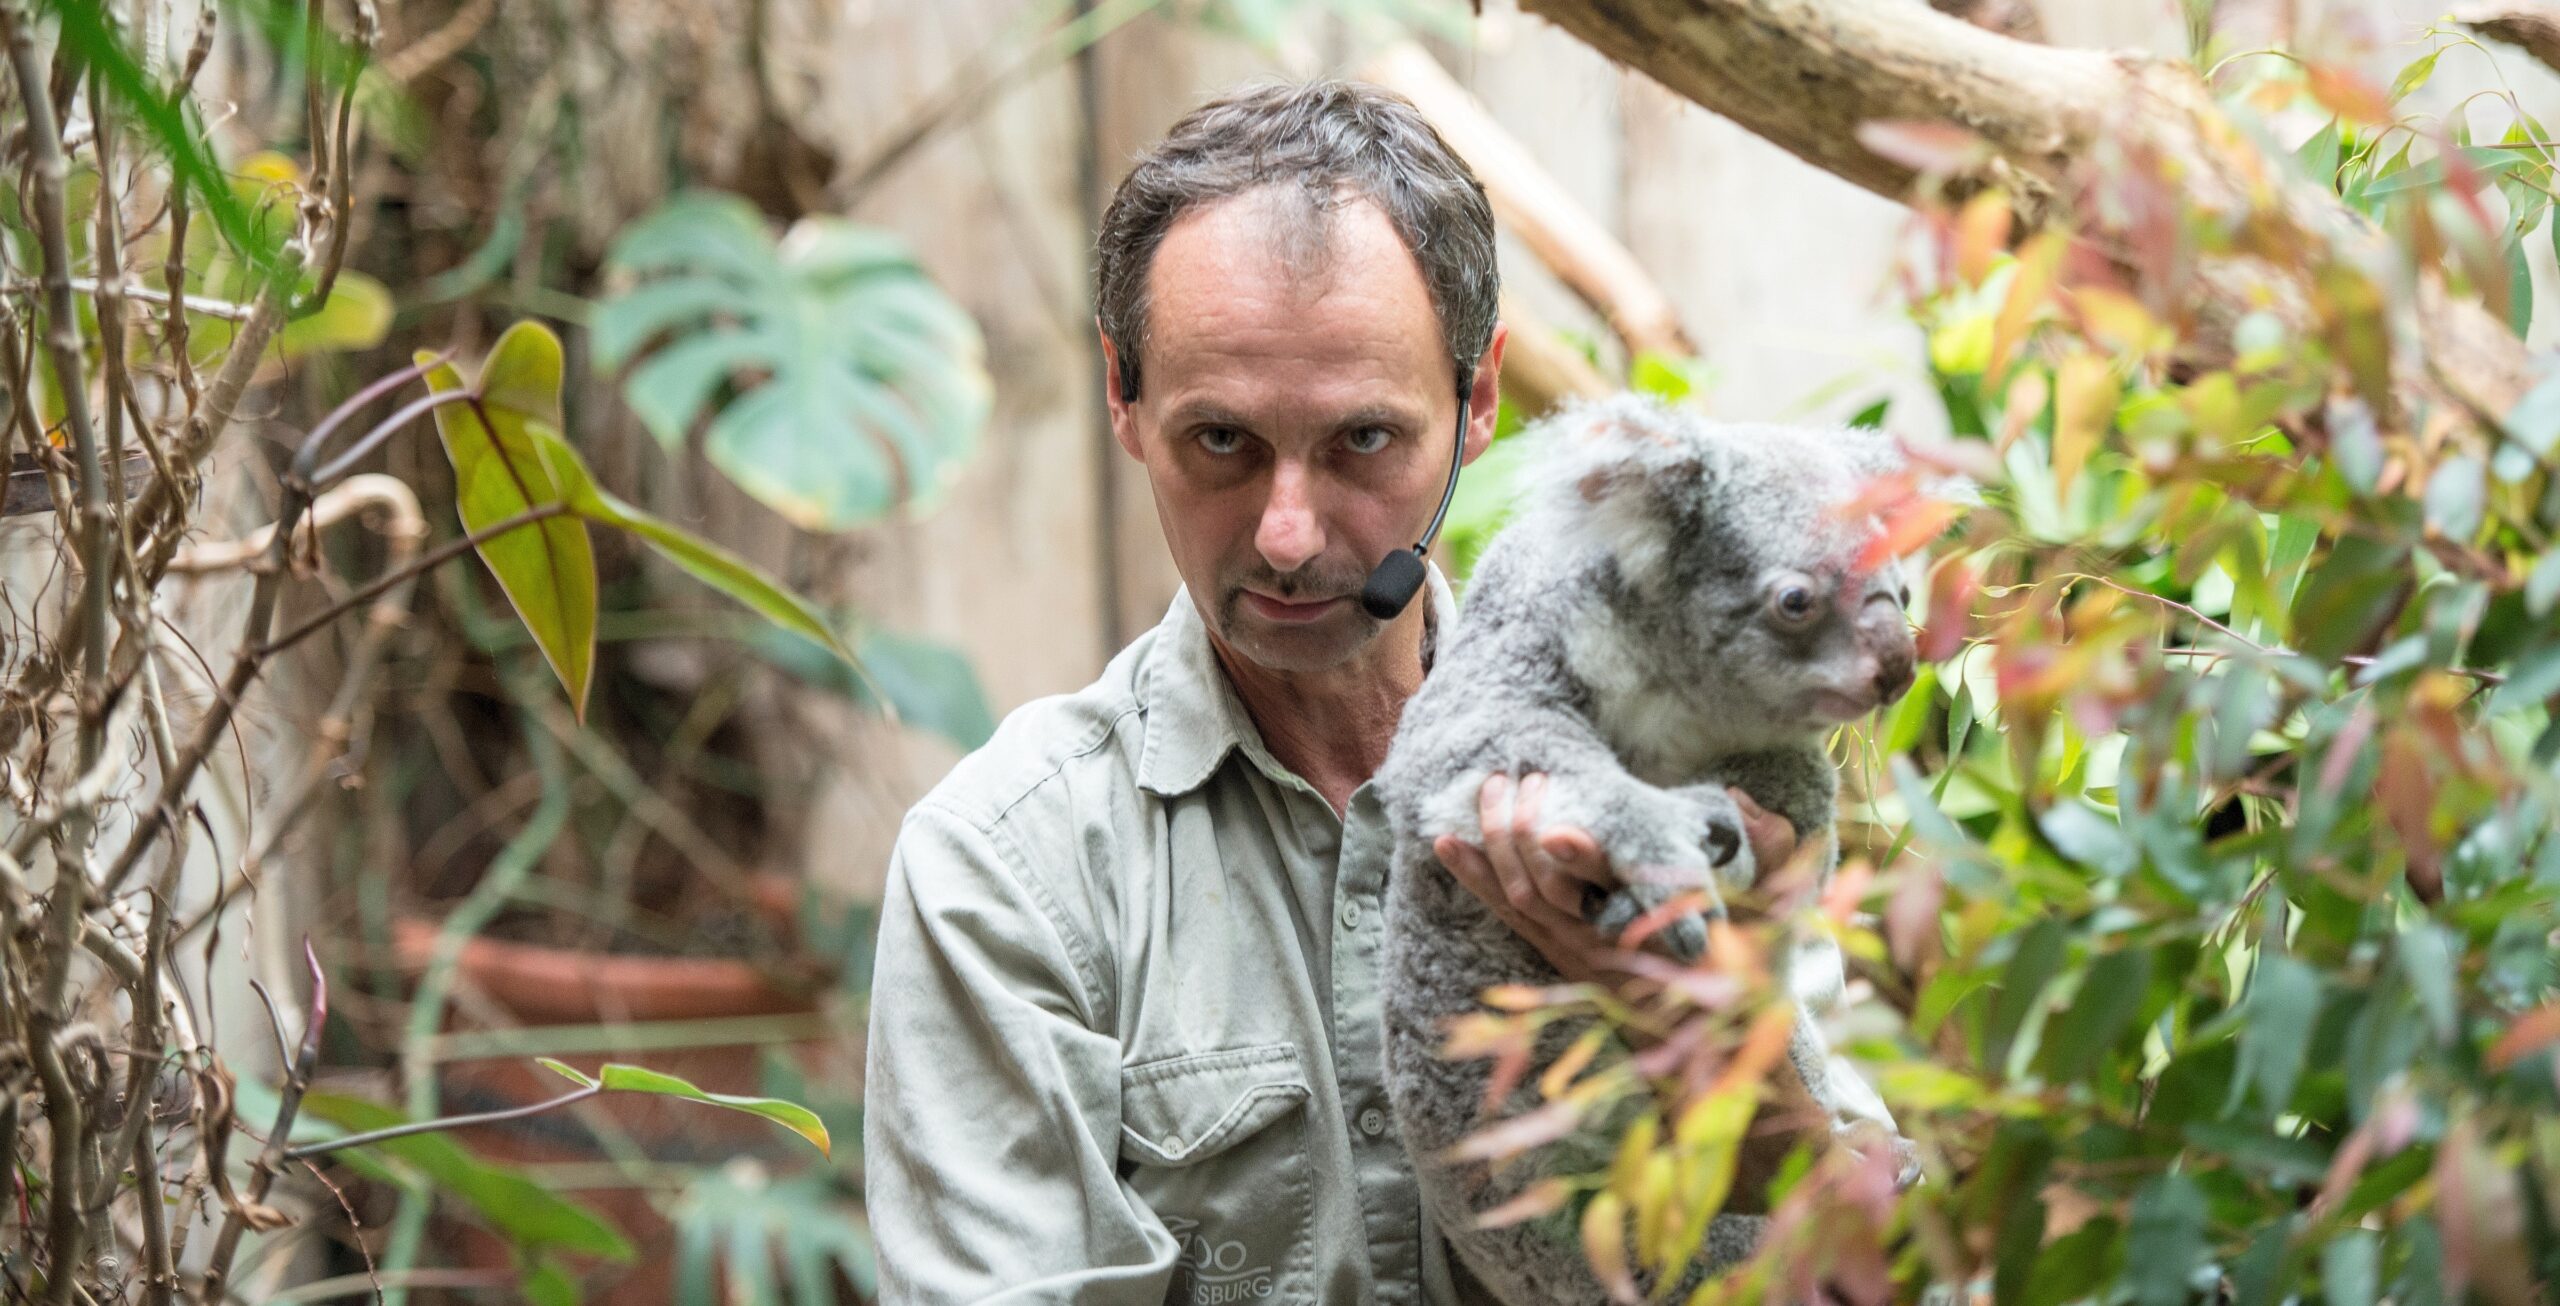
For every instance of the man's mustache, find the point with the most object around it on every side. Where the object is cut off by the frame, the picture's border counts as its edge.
(1300, 586)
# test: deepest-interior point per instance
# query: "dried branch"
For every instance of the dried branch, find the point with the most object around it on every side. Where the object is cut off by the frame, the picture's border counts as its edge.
(1533, 205)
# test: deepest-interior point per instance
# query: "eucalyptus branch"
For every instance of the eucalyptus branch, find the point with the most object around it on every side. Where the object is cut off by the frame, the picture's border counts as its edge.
(174, 270)
(385, 1135)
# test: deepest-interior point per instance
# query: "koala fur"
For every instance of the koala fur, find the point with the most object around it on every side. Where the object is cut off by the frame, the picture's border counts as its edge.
(1674, 609)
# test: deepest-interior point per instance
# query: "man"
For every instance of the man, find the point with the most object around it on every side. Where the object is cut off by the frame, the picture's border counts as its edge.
(1125, 1025)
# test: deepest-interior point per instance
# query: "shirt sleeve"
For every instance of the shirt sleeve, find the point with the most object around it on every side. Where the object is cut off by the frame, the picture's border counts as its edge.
(991, 1122)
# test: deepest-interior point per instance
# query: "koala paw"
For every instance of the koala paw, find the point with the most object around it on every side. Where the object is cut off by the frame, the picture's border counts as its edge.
(1722, 835)
(1684, 939)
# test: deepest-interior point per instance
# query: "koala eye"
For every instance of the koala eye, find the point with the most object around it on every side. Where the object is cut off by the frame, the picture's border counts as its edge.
(1792, 600)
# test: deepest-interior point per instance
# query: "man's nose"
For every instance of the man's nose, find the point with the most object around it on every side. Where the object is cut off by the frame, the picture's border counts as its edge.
(1288, 535)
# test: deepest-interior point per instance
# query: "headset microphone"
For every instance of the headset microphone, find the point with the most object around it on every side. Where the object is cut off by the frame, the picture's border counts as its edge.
(1398, 576)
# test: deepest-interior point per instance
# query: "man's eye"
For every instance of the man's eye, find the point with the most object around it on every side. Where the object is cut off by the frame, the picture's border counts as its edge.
(1369, 439)
(1221, 439)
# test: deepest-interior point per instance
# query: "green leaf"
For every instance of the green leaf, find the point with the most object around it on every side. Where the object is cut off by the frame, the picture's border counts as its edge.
(2038, 957)
(2411, 77)
(2531, 679)
(2455, 488)
(619, 1078)
(2542, 586)
(2519, 288)
(749, 1223)
(356, 315)
(1872, 416)
(2111, 993)
(2351, 1269)
(2166, 1241)
(546, 1283)
(2349, 596)
(2088, 837)
(2427, 958)
(502, 467)
(2283, 1004)
(855, 384)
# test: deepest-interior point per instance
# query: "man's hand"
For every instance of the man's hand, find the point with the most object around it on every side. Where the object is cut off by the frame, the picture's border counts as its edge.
(1532, 874)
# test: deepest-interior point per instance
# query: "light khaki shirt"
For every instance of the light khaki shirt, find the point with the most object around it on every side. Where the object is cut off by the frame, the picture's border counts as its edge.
(1125, 1030)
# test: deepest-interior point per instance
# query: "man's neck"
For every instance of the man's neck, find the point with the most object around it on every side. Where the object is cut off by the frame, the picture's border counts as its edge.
(1332, 727)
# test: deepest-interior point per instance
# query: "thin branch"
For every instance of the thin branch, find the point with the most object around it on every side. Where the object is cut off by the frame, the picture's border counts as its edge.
(262, 1172)
(447, 1122)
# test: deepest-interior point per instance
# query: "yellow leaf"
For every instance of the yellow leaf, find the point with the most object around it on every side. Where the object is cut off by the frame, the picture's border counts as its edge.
(1633, 1147)
(1604, 1244)
(2028, 293)
(2084, 406)
(1559, 1076)
(1982, 232)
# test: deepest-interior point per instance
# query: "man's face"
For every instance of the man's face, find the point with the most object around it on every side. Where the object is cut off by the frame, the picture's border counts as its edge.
(1295, 424)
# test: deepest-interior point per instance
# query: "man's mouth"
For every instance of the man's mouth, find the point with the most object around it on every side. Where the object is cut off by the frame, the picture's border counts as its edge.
(1283, 610)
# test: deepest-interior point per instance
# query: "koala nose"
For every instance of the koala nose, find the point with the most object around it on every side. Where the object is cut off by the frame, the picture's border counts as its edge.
(1893, 675)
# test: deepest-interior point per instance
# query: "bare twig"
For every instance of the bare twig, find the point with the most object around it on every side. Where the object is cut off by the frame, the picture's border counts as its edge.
(262, 1172)
(447, 1122)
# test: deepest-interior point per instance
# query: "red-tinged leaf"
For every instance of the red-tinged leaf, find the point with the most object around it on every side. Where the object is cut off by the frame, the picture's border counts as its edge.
(1877, 495)
(1604, 1244)
(1510, 1066)
(1671, 909)
(2346, 747)
(2406, 786)
(2532, 1032)
(1953, 588)
(1520, 1133)
(1848, 888)
(1924, 145)
(1965, 458)
(1762, 1048)
(2348, 93)
(2344, 1169)
(1545, 1197)
(1906, 529)
(1981, 234)
(1911, 918)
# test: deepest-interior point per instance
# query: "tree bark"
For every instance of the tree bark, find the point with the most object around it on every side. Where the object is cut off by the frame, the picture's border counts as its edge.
(2533, 28)
(1807, 75)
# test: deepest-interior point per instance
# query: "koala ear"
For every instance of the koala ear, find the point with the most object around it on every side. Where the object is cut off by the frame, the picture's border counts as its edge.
(1627, 470)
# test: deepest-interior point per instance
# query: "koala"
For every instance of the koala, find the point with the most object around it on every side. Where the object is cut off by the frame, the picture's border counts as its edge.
(1677, 607)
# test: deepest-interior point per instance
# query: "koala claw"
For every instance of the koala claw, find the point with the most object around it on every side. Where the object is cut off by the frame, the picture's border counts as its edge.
(1612, 911)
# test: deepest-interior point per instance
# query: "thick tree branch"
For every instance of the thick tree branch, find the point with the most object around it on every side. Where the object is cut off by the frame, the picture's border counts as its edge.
(2532, 28)
(1807, 75)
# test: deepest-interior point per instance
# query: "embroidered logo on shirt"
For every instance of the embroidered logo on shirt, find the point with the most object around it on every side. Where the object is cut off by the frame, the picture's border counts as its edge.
(1210, 1272)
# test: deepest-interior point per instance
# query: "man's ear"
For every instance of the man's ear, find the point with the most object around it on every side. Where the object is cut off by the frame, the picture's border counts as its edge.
(1484, 395)
(1124, 423)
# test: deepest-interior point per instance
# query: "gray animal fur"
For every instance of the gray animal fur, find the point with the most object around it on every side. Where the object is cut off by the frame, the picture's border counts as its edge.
(1620, 636)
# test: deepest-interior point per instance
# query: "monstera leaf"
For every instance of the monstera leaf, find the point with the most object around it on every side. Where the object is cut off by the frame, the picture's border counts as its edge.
(838, 381)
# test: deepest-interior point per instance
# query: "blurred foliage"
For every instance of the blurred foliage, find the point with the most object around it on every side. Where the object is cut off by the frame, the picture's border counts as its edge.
(2219, 868)
(837, 380)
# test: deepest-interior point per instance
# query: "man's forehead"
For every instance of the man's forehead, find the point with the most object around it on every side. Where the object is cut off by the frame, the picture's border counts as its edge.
(1228, 306)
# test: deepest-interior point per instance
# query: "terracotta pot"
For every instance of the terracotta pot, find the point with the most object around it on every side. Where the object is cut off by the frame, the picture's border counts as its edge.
(538, 985)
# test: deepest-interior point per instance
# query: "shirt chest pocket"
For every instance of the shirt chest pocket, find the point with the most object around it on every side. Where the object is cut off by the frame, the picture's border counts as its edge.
(1215, 1143)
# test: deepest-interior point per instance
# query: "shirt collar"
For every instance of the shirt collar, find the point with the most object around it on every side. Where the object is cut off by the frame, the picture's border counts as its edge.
(1193, 717)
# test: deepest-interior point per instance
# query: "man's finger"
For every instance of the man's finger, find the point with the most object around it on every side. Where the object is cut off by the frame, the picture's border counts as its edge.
(1561, 892)
(1495, 803)
(1577, 854)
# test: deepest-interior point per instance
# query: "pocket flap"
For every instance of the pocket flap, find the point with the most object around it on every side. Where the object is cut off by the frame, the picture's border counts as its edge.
(1181, 1110)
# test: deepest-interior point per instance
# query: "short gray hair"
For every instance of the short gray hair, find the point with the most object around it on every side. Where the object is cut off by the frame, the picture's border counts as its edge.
(1326, 142)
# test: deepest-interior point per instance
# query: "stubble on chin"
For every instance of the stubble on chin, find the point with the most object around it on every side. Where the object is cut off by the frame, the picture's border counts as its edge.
(1314, 646)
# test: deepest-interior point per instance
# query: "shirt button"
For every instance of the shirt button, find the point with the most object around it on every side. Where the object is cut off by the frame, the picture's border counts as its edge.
(1351, 915)
(1373, 1122)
